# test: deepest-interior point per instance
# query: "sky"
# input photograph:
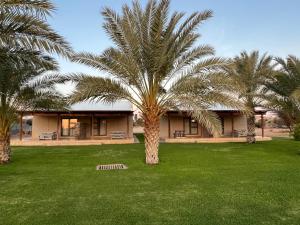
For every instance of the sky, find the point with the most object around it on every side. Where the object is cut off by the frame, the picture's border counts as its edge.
(266, 25)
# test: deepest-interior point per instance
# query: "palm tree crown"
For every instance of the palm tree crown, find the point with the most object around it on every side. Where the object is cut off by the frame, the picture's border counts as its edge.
(23, 25)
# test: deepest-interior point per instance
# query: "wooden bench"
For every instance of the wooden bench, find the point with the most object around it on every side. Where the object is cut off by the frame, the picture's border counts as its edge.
(48, 136)
(117, 135)
(179, 133)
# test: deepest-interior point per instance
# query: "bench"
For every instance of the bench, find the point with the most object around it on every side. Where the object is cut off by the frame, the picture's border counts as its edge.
(48, 136)
(179, 133)
(117, 135)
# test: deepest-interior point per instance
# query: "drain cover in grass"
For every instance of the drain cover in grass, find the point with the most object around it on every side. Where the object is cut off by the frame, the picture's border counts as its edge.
(112, 167)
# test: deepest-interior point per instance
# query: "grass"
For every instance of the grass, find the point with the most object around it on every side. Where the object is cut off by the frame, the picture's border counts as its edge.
(215, 184)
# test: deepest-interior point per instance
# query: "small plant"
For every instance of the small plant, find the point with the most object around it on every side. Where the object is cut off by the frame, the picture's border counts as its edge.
(296, 132)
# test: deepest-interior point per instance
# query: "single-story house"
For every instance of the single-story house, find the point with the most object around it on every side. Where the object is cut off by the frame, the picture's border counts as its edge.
(83, 121)
(179, 124)
(99, 123)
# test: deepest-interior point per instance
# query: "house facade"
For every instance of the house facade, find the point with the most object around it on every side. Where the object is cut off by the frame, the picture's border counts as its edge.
(179, 124)
(87, 123)
(83, 121)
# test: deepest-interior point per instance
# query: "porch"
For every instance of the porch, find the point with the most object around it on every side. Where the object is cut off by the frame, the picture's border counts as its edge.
(179, 127)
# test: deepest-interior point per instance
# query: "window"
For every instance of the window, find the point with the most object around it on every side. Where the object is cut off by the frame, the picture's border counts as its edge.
(190, 126)
(194, 127)
(68, 127)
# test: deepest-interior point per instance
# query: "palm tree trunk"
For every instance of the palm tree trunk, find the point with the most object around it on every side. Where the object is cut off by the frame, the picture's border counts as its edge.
(5, 150)
(251, 129)
(151, 129)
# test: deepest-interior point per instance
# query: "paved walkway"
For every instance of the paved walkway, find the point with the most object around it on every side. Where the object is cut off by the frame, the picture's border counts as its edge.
(213, 140)
(69, 142)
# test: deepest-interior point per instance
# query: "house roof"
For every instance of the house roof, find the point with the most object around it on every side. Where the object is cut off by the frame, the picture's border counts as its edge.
(98, 106)
(222, 108)
(120, 106)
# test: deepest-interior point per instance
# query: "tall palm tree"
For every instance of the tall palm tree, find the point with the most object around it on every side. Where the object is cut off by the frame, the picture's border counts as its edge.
(283, 91)
(249, 72)
(25, 38)
(24, 86)
(155, 64)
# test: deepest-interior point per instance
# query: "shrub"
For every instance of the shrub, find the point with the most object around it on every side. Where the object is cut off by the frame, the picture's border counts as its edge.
(296, 132)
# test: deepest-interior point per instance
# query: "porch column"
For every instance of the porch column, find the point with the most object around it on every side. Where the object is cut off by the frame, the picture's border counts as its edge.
(169, 126)
(127, 126)
(262, 124)
(21, 126)
(58, 126)
(232, 124)
(92, 126)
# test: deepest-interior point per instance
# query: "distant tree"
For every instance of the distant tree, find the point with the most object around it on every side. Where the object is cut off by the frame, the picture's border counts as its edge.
(282, 92)
(155, 65)
(249, 72)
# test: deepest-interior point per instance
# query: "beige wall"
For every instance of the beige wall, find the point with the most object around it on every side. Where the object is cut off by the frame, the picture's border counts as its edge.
(120, 124)
(48, 123)
(164, 127)
(42, 124)
(239, 123)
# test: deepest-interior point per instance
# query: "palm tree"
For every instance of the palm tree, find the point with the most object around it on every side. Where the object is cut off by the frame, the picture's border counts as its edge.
(25, 38)
(24, 86)
(155, 64)
(23, 25)
(249, 72)
(283, 91)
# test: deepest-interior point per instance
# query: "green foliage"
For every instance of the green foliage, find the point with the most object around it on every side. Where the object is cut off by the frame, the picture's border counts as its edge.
(296, 132)
(224, 183)
(248, 73)
(283, 90)
(23, 25)
(140, 137)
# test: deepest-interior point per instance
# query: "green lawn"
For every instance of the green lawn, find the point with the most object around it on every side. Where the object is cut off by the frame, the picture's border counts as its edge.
(194, 184)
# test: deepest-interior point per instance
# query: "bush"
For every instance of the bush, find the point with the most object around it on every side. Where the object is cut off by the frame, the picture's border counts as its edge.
(296, 132)
(140, 137)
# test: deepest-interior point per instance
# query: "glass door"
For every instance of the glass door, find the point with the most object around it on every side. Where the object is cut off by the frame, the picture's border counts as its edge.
(100, 127)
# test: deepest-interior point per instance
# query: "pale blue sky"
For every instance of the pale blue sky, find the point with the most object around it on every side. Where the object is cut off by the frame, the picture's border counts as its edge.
(265, 25)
